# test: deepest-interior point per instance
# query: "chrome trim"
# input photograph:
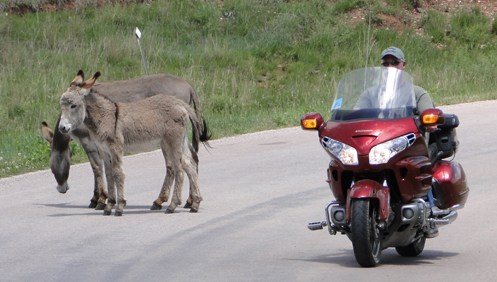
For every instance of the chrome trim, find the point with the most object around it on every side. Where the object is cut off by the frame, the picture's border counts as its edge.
(446, 220)
(331, 230)
(411, 138)
(335, 209)
(420, 210)
(437, 212)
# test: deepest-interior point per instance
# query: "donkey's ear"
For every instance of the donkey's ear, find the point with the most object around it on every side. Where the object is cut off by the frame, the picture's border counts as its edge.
(78, 80)
(89, 83)
(46, 132)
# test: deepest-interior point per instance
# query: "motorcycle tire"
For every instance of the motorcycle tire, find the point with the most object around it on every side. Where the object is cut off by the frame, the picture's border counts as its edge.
(366, 234)
(413, 249)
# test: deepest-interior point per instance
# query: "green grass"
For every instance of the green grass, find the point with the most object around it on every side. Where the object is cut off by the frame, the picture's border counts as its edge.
(256, 65)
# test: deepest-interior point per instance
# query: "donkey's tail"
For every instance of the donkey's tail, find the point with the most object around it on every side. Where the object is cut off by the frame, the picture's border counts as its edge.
(203, 131)
(200, 131)
(196, 104)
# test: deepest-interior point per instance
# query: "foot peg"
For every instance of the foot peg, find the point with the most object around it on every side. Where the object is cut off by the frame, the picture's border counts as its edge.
(442, 213)
(316, 225)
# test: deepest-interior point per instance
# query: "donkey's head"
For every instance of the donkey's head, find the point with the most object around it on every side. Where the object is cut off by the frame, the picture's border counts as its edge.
(73, 109)
(60, 154)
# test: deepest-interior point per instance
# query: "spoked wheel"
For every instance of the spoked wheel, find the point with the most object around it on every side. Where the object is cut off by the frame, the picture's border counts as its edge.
(413, 249)
(366, 235)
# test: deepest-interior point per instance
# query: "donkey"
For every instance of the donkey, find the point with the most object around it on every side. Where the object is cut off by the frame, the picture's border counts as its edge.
(140, 126)
(119, 91)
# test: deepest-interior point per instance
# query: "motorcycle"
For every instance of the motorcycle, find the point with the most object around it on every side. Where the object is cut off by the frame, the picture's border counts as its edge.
(393, 181)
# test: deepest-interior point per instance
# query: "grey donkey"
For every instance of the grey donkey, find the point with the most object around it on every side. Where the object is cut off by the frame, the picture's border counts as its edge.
(138, 126)
(118, 91)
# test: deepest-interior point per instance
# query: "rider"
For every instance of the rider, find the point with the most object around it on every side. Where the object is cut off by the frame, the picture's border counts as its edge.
(394, 57)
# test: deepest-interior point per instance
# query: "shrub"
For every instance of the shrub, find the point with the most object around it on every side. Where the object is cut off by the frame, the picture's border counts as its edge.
(494, 27)
(435, 25)
(344, 6)
(470, 27)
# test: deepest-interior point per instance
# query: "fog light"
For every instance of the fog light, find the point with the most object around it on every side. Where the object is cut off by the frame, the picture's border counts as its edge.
(408, 213)
(339, 216)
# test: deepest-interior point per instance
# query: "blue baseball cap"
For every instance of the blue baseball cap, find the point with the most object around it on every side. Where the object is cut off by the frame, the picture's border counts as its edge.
(394, 51)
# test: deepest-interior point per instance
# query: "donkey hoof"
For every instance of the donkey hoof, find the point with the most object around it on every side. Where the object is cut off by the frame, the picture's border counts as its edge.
(92, 205)
(192, 210)
(107, 212)
(169, 211)
(187, 205)
(119, 213)
(155, 207)
(100, 206)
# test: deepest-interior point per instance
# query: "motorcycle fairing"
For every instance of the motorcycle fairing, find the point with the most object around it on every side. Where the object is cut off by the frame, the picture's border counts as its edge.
(411, 168)
(414, 174)
(365, 134)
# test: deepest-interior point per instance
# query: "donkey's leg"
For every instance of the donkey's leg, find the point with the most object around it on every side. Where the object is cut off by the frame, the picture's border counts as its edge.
(97, 166)
(168, 181)
(178, 185)
(107, 160)
(116, 191)
(194, 155)
(190, 166)
(118, 175)
(188, 203)
(174, 155)
(191, 172)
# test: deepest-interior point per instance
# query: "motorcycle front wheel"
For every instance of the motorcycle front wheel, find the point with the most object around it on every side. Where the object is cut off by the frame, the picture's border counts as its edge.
(366, 234)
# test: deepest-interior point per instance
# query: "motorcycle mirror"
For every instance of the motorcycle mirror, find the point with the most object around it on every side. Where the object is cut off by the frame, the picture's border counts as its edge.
(430, 117)
(311, 121)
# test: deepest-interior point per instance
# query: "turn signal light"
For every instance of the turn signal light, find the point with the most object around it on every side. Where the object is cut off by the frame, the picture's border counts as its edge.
(309, 123)
(430, 119)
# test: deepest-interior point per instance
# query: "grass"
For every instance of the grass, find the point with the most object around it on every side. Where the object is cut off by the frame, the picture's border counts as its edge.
(256, 65)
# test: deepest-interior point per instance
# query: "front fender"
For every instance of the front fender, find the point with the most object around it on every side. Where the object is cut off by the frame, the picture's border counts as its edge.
(367, 188)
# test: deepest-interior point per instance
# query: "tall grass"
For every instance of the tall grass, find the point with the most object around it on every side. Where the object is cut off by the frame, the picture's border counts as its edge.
(255, 64)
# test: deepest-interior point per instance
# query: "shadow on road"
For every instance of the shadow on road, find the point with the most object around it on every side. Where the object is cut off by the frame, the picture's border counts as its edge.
(391, 257)
(345, 258)
(131, 209)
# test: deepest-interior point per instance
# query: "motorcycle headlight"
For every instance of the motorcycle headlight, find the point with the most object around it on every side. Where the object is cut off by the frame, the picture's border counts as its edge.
(382, 153)
(346, 154)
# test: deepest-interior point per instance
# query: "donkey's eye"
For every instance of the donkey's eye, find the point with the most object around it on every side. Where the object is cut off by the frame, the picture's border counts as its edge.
(73, 106)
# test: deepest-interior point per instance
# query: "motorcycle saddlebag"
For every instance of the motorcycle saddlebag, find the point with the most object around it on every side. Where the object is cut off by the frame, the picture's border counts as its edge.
(449, 185)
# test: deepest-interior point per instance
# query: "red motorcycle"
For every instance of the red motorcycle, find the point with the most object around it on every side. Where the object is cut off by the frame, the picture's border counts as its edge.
(392, 183)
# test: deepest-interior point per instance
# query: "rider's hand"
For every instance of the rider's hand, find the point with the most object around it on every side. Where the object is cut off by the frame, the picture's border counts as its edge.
(431, 129)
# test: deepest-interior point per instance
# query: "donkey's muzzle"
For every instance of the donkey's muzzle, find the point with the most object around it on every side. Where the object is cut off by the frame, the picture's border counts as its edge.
(63, 188)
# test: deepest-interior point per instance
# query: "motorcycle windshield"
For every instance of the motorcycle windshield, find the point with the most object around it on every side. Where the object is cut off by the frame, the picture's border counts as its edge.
(374, 93)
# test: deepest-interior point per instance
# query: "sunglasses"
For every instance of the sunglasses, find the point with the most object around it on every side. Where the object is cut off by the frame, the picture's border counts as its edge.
(394, 63)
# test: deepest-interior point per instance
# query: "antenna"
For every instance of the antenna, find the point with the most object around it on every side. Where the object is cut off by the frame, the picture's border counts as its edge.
(367, 42)
(368, 39)
(138, 35)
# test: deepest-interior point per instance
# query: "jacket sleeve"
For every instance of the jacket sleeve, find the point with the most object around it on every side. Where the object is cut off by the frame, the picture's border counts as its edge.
(423, 99)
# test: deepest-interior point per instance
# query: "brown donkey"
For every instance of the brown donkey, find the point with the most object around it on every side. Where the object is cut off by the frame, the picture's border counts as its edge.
(118, 91)
(135, 126)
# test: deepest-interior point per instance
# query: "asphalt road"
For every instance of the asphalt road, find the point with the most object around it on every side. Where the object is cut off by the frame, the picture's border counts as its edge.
(260, 191)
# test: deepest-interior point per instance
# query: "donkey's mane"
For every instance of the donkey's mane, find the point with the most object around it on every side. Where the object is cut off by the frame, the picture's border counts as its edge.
(116, 113)
(60, 140)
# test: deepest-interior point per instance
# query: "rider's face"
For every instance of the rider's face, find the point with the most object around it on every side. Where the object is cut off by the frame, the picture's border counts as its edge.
(389, 59)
